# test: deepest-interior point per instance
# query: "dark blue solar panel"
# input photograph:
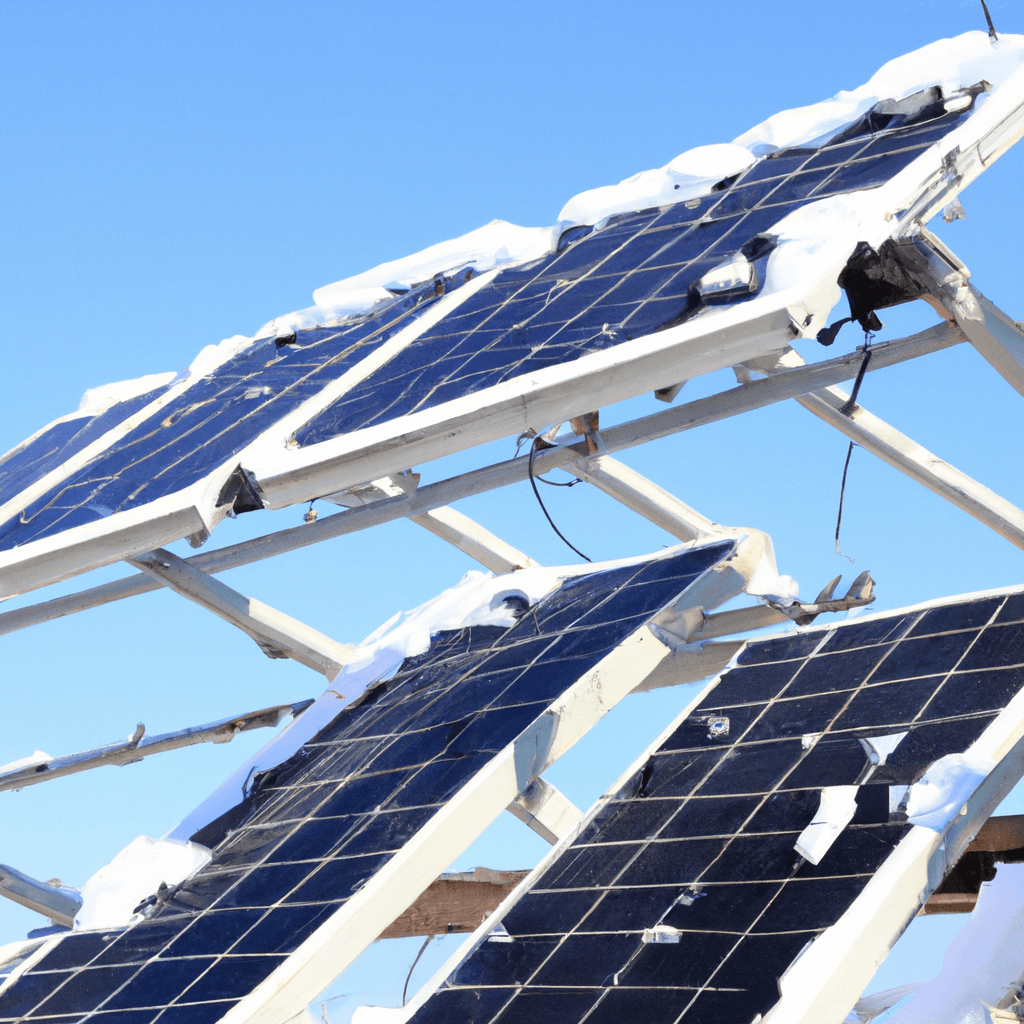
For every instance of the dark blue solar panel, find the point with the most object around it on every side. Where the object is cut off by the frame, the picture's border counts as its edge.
(29, 462)
(633, 276)
(701, 839)
(212, 420)
(315, 829)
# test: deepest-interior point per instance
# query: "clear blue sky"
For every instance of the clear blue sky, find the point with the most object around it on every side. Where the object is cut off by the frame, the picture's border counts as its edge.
(177, 173)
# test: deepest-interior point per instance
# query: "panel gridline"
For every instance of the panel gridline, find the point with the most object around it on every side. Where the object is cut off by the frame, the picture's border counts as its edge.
(210, 421)
(316, 829)
(633, 276)
(702, 838)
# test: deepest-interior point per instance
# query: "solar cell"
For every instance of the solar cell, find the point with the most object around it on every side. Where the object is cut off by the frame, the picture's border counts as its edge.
(605, 286)
(292, 863)
(683, 897)
(636, 276)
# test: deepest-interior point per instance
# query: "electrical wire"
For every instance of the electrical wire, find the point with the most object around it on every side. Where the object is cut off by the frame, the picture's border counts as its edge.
(543, 508)
(847, 409)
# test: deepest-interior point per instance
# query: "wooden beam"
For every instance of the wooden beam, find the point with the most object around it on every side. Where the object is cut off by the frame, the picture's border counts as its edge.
(456, 902)
(278, 635)
(756, 394)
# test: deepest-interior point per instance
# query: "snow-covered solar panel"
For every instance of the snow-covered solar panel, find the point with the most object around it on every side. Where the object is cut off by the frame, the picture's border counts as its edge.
(654, 284)
(765, 852)
(327, 842)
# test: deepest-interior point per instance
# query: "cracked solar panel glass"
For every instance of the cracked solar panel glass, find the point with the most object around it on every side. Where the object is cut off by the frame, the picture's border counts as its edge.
(316, 829)
(212, 420)
(634, 276)
(697, 848)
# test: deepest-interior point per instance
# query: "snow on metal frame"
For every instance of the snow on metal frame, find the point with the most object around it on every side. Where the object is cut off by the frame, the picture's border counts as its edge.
(798, 291)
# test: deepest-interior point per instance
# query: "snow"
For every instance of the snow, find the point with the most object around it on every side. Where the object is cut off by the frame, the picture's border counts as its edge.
(948, 784)
(112, 894)
(983, 965)
(812, 238)
(952, 64)
(97, 400)
(37, 757)
(836, 810)
(478, 599)
(492, 245)
(687, 176)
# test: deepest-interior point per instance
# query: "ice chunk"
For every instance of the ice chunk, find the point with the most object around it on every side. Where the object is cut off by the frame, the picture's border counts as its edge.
(112, 894)
(984, 964)
(836, 810)
(948, 784)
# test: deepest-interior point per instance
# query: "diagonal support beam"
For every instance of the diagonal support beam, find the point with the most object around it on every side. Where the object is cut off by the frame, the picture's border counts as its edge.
(644, 497)
(445, 522)
(43, 768)
(946, 279)
(548, 811)
(998, 338)
(906, 455)
(751, 395)
(278, 635)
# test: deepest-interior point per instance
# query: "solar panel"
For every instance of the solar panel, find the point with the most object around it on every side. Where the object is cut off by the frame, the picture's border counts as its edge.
(619, 307)
(684, 896)
(319, 856)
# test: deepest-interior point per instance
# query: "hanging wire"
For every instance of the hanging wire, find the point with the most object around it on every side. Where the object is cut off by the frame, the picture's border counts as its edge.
(847, 409)
(540, 501)
(842, 494)
(988, 18)
(408, 977)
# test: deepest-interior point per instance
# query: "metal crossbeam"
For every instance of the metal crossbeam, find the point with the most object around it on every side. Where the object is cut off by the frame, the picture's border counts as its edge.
(139, 745)
(277, 635)
(756, 394)
(906, 455)
(644, 497)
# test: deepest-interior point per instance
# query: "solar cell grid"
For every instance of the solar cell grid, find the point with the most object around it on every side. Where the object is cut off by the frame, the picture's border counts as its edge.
(699, 842)
(57, 443)
(626, 280)
(213, 419)
(314, 830)
(633, 276)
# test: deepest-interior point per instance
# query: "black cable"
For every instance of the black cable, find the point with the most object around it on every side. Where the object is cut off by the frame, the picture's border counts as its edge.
(851, 403)
(842, 494)
(558, 483)
(847, 410)
(423, 949)
(988, 18)
(540, 501)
